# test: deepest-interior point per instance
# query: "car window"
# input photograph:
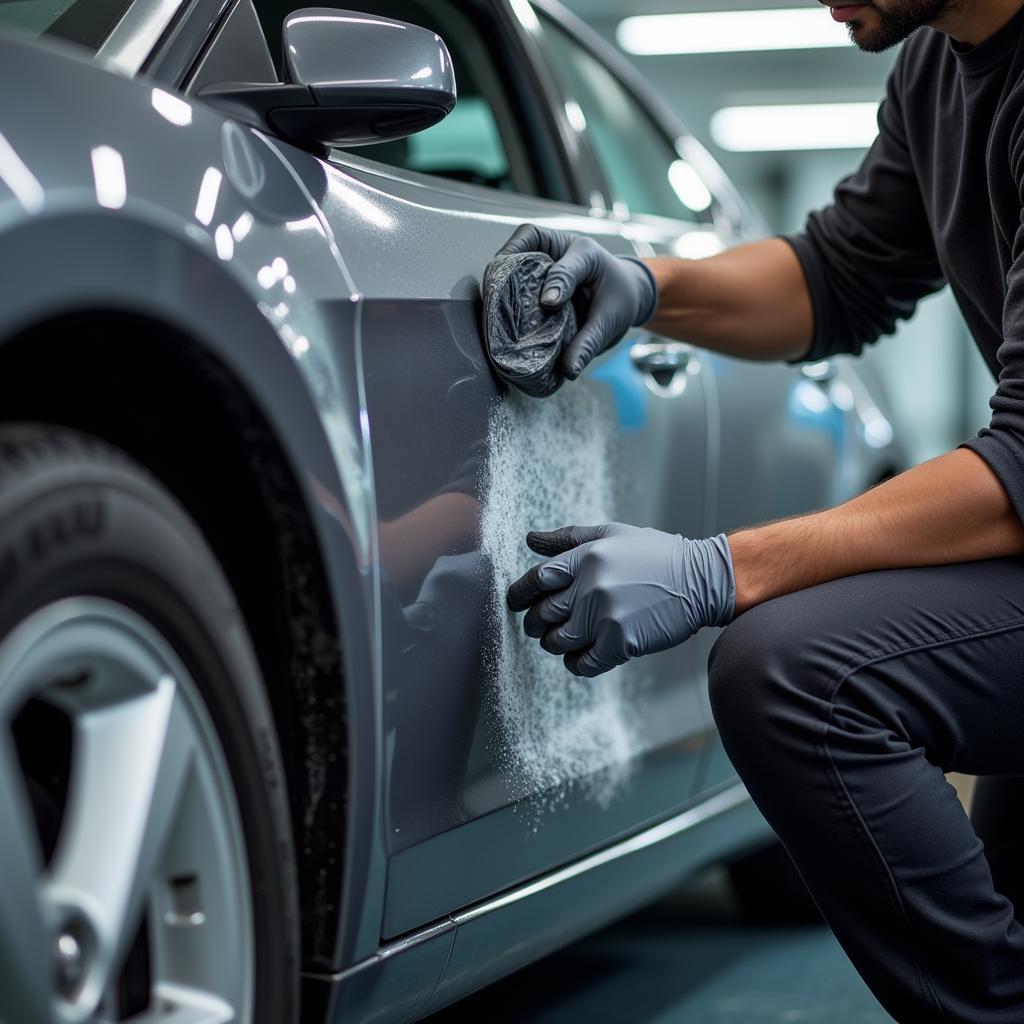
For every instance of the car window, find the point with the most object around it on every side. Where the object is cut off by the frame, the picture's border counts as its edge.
(479, 141)
(86, 22)
(640, 164)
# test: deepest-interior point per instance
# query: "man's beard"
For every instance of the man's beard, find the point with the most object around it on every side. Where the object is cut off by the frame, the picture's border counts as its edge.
(895, 24)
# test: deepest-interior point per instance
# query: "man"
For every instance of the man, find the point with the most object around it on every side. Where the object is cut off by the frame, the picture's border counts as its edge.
(875, 645)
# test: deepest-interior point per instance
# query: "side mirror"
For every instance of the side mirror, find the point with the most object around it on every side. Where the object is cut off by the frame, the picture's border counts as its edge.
(350, 79)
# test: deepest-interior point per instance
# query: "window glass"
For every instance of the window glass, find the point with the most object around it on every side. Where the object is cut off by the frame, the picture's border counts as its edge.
(34, 16)
(477, 141)
(640, 164)
(468, 139)
(87, 22)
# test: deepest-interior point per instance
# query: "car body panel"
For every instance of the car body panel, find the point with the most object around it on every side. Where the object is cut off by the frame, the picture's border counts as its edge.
(391, 987)
(491, 939)
(495, 937)
(449, 771)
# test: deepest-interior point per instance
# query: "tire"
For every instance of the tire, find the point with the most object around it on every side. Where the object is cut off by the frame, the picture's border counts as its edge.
(769, 888)
(92, 546)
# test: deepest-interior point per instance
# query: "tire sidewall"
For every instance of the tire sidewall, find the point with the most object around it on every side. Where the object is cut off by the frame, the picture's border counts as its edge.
(87, 523)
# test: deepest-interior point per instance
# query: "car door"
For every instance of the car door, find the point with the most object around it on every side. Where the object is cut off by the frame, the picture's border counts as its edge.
(500, 764)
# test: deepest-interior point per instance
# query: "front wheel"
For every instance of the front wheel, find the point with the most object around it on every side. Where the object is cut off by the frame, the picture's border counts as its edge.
(141, 787)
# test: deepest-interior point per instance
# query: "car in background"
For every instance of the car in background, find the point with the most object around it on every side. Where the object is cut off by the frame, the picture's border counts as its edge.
(267, 729)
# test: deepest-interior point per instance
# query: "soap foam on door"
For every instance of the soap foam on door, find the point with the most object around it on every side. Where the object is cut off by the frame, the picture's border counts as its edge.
(549, 465)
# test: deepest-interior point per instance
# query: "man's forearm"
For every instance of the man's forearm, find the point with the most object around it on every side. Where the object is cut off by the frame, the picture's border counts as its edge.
(751, 301)
(950, 509)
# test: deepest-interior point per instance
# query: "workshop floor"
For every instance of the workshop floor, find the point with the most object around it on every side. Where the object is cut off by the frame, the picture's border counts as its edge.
(690, 959)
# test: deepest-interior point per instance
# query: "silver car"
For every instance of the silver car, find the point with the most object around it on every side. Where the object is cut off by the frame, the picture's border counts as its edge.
(267, 729)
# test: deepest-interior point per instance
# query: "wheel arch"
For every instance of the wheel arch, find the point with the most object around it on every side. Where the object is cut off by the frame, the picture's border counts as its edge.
(86, 370)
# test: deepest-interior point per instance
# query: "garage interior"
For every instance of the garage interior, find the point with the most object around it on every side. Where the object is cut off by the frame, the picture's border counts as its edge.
(366, 602)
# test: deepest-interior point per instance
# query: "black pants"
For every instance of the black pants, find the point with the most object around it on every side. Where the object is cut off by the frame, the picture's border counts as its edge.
(841, 707)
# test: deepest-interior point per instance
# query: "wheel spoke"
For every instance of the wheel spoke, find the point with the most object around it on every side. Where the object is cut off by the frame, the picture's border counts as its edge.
(131, 761)
(179, 1004)
(25, 955)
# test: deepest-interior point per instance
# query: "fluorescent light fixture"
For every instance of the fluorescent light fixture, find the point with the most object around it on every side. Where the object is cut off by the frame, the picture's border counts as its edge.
(224, 242)
(173, 108)
(19, 179)
(812, 398)
(359, 19)
(766, 128)
(241, 227)
(697, 244)
(575, 116)
(731, 31)
(527, 16)
(206, 200)
(877, 429)
(692, 192)
(108, 174)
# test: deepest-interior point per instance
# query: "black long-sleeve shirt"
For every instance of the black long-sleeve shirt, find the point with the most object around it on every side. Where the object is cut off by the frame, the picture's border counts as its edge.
(938, 198)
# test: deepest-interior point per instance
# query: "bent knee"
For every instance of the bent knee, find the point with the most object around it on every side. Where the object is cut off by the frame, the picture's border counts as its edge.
(757, 673)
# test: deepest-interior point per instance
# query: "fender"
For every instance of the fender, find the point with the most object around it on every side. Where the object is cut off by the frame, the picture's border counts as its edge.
(72, 248)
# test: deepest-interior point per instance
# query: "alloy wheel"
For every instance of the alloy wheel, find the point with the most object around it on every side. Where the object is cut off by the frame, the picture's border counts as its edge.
(139, 902)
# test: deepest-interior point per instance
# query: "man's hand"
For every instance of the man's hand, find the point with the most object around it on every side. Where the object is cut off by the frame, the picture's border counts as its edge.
(617, 292)
(615, 592)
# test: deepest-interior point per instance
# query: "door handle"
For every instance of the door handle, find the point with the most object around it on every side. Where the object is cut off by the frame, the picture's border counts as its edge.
(661, 359)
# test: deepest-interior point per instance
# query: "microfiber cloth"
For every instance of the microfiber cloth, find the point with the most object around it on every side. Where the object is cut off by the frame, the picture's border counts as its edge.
(524, 343)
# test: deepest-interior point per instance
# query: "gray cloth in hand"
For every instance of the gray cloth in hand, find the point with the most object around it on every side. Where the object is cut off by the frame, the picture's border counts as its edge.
(524, 342)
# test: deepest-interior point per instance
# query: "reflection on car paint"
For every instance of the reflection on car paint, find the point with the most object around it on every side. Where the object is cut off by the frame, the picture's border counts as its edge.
(627, 387)
(19, 179)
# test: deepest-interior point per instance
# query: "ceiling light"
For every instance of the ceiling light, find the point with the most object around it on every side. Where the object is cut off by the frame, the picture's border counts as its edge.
(108, 174)
(224, 242)
(206, 200)
(692, 192)
(575, 116)
(19, 179)
(526, 15)
(241, 227)
(698, 244)
(795, 126)
(173, 108)
(730, 31)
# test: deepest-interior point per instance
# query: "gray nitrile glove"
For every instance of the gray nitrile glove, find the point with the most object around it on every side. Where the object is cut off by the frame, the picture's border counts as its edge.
(617, 292)
(615, 592)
